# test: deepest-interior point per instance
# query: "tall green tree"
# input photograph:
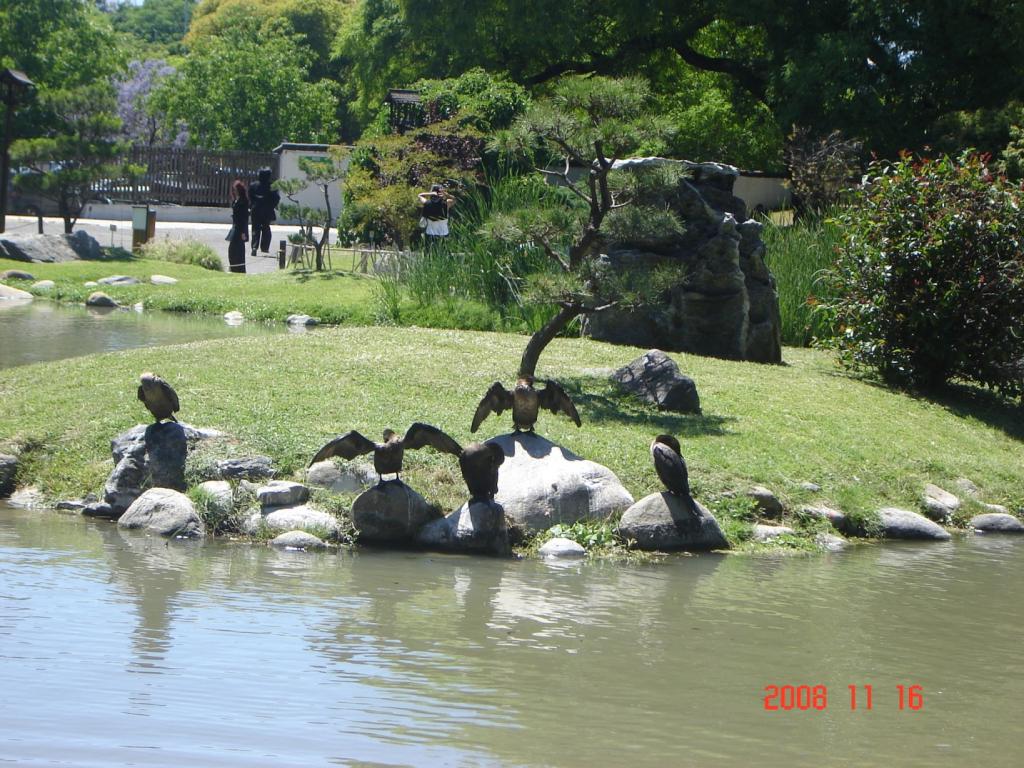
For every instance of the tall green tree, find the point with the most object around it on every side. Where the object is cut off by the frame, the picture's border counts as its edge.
(163, 22)
(588, 123)
(78, 150)
(248, 88)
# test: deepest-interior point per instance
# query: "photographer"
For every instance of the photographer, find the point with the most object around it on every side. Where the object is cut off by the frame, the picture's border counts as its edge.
(434, 213)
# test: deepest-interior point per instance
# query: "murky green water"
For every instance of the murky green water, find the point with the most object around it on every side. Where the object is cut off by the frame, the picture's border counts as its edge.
(39, 331)
(119, 649)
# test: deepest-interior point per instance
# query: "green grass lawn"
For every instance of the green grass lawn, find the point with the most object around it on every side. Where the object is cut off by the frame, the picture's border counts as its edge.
(286, 395)
(337, 298)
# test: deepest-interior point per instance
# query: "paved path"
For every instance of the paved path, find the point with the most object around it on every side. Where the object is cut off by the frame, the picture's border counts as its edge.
(210, 234)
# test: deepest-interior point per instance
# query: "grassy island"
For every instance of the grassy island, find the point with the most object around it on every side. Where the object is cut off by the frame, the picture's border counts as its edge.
(284, 396)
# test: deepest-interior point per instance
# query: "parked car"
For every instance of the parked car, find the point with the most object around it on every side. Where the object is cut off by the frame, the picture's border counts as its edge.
(23, 203)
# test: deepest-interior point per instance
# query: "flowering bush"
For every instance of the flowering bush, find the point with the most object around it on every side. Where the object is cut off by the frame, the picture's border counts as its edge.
(930, 281)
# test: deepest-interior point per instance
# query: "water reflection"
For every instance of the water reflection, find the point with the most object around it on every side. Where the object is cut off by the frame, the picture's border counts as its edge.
(215, 653)
(39, 331)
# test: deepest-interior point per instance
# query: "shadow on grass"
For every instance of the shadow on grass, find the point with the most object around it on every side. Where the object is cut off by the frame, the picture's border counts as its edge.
(986, 406)
(598, 402)
(114, 253)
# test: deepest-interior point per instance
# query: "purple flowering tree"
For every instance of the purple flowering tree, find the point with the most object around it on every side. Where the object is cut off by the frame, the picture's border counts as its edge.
(141, 122)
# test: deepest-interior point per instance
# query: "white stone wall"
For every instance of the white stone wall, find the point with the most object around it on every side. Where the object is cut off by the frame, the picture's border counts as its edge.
(312, 196)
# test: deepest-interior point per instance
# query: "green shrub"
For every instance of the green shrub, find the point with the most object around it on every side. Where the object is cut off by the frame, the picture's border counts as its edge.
(183, 252)
(929, 285)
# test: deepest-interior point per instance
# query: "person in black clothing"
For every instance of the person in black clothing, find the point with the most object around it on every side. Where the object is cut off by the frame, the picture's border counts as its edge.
(436, 204)
(239, 226)
(263, 201)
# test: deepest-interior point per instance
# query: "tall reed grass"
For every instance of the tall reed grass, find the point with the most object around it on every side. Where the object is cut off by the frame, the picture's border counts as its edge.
(797, 255)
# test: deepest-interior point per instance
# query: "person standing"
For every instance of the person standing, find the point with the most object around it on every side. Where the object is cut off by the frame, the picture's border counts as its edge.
(436, 204)
(263, 202)
(239, 235)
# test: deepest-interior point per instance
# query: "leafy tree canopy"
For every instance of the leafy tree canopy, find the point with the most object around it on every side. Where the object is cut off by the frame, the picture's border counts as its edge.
(247, 88)
(161, 22)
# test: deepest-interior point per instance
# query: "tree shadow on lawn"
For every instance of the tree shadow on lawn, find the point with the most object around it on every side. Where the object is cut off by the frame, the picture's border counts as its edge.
(968, 401)
(600, 403)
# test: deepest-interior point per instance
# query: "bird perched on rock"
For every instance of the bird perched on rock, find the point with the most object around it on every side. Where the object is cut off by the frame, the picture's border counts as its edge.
(525, 402)
(479, 463)
(387, 456)
(670, 466)
(158, 396)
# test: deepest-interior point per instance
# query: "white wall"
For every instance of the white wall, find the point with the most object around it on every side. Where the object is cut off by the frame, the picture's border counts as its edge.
(312, 196)
(770, 192)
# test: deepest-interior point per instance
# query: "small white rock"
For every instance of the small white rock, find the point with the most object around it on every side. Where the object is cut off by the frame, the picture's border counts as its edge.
(163, 280)
(234, 317)
(562, 547)
(769, 532)
(44, 285)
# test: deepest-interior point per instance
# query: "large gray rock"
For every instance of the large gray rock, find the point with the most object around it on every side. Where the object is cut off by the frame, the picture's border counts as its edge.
(666, 522)
(655, 378)
(541, 484)
(49, 248)
(997, 522)
(164, 511)
(391, 513)
(281, 493)
(148, 456)
(8, 469)
(903, 524)
(16, 274)
(823, 512)
(9, 293)
(939, 505)
(298, 518)
(247, 468)
(725, 303)
(220, 498)
(474, 528)
(349, 478)
(43, 285)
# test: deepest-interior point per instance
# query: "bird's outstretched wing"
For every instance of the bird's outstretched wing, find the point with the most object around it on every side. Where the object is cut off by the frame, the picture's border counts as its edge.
(419, 435)
(553, 398)
(348, 446)
(496, 400)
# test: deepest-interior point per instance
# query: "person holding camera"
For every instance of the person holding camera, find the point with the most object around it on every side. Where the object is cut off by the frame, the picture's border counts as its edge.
(434, 217)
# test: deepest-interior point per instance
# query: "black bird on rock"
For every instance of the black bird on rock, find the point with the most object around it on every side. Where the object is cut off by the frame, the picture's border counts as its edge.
(525, 402)
(387, 456)
(479, 463)
(670, 466)
(158, 396)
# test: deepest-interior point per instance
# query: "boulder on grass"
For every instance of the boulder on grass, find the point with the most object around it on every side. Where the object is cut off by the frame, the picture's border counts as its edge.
(655, 378)
(997, 522)
(164, 511)
(541, 484)
(246, 468)
(939, 505)
(391, 513)
(348, 478)
(100, 299)
(902, 524)
(666, 522)
(474, 528)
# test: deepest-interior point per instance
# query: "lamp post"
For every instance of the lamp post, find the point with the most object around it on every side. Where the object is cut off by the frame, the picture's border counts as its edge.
(13, 85)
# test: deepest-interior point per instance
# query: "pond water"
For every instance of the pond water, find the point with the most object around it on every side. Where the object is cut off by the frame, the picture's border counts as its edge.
(39, 331)
(120, 649)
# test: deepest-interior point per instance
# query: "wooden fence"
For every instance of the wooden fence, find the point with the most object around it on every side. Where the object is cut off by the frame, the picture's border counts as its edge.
(185, 176)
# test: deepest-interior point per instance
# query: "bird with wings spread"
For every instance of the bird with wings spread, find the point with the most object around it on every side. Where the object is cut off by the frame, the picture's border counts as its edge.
(158, 396)
(525, 402)
(387, 456)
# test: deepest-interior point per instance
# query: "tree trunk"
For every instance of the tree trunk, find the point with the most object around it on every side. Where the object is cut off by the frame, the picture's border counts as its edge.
(539, 341)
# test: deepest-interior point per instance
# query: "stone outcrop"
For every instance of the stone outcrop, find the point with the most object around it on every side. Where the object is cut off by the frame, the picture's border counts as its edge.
(725, 303)
(10, 293)
(768, 504)
(561, 548)
(119, 280)
(474, 528)
(164, 511)
(349, 478)
(769, 532)
(282, 493)
(301, 517)
(655, 378)
(246, 468)
(997, 522)
(147, 456)
(100, 299)
(541, 484)
(49, 248)
(897, 523)
(666, 522)
(938, 504)
(391, 513)
(298, 540)
(16, 274)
